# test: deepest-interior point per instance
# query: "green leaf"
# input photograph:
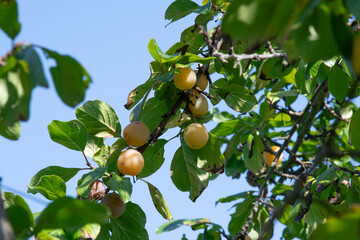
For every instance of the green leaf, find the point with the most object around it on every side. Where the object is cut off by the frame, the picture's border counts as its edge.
(99, 118)
(260, 220)
(338, 83)
(104, 233)
(93, 145)
(154, 158)
(192, 58)
(234, 166)
(70, 78)
(68, 212)
(244, 20)
(186, 175)
(354, 130)
(174, 224)
(204, 9)
(122, 185)
(236, 96)
(253, 153)
(234, 197)
(36, 69)
(138, 93)
(153, 105)
(241, 214)
(57, 234)
(159, 55)
(210, 157)
(281, 189)
(50, 186)
(130, 225)
(19, 214)
(10, 132)
(280, 120)
(165, 77)
(193, 38)
(159, 201)
(70, 134)
(353, 7)
(282, 94)
(304, 85)
(64, 173)
(115, 151)
(179, 9)
(101, 157)
(20, 220)
(314, 217)
(84, 188)
(9, 18)
(336, 228)
(327, 177)
(273, 68)
(227, 127)
(353, 194)
(89, 231)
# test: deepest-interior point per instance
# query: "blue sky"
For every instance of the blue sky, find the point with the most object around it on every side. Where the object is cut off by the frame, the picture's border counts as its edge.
(110, 39)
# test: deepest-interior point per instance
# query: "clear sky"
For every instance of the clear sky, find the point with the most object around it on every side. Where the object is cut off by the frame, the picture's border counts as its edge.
(110, 39)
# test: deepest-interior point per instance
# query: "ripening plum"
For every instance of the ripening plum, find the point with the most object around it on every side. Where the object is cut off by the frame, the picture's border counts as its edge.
(196, 136)
(130, 162)
(203, 82)
(136, 134)
(185, 79)
(115, 204)
(199, 104)
(269, 158)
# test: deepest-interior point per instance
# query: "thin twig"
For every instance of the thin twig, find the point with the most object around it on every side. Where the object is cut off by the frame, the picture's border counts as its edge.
(87, 161)
(286, 175)
(334, 113)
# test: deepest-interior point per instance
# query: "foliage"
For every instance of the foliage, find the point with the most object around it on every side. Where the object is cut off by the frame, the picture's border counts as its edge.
(260, 60)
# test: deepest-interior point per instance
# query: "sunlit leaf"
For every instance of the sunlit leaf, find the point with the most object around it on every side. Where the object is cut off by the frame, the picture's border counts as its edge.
(174, 224)
(159, 201)
(179, 9)
(70, 134)
(122, 185)
(186, 175)
(64, 173)
(99, 118)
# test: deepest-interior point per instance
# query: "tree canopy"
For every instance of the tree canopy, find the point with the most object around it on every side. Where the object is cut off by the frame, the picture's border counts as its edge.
(289, 74)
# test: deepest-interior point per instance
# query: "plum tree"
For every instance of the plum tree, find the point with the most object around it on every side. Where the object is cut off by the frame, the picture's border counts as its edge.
(115, 204)
(136, 134)
(185, 79)
(269, 158)
(196, 135)
(203, 82)
(198, 104)
(130, 162)
(290, 80)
